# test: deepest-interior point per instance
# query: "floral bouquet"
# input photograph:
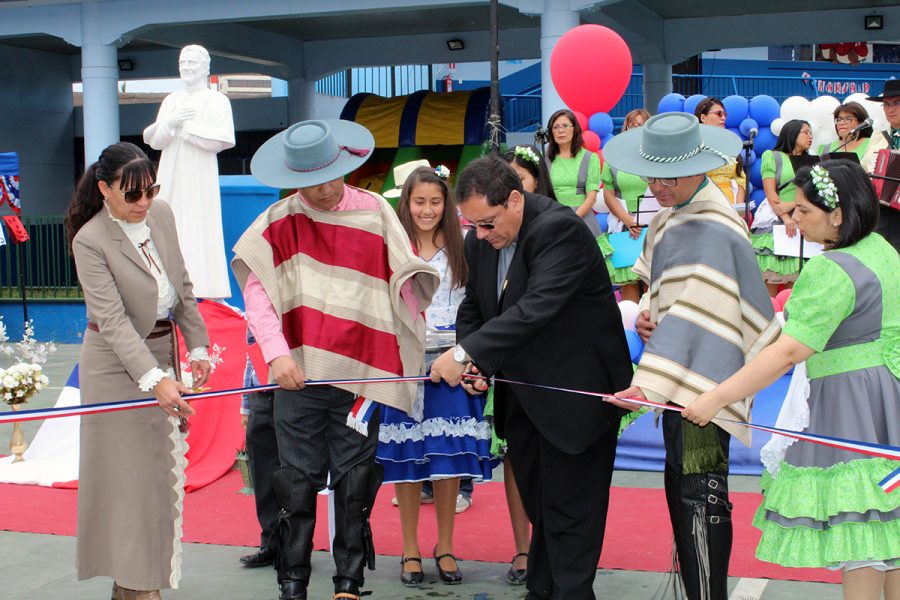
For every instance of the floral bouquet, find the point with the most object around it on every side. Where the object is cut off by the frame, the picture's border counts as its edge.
(21, 381)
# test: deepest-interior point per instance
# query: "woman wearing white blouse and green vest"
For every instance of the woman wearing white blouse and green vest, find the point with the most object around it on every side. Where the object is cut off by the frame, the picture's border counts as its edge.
(777, 178)
(574, 170)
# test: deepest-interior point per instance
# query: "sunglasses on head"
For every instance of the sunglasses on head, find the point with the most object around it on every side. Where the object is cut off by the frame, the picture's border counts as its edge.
(132, 196)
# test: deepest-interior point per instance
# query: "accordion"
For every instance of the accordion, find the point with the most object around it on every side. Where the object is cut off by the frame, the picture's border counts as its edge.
(886, 178)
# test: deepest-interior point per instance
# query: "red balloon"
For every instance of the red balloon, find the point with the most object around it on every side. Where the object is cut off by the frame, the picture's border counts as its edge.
(591, 140)
(782, 297)
(582, 120)
(775, 305)
(590, 68)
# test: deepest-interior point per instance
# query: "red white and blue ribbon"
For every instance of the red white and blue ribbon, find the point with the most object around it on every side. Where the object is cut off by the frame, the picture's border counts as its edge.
(364, 408)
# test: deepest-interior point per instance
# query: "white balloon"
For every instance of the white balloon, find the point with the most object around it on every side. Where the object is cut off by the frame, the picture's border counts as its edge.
(776, 126)
(629, 312)
(876, 112)
(857, 97)
(795, 107)
(823, 109)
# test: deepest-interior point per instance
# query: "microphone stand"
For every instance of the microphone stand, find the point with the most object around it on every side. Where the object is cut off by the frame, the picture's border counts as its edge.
(748, 146)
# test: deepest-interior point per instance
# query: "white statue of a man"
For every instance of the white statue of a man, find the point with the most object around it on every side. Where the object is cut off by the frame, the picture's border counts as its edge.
(193, 125)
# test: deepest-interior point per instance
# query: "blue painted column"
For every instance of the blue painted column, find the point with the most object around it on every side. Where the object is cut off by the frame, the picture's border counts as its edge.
(557, 19)
(657, 83)
(301, 100)
(100, 76)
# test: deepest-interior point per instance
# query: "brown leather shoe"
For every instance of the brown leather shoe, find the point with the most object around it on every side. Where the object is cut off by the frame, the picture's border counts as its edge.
(120, 593)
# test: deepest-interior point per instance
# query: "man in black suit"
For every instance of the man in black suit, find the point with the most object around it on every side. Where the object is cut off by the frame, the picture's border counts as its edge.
(539, 308)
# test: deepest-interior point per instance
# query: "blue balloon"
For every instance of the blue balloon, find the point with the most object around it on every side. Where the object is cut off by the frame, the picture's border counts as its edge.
(690, 105)
(735, 131)
(602, 220)
(671, 103)
(755, 175)
(601, 124)
(749, 159)
(748, 124)
(738, 109)
(635, 345)
(764, 109)
(765, 140)
(605, 140)
(756, 198)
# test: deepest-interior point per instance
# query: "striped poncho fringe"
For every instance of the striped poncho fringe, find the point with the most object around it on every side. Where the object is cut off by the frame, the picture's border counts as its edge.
(334, 279)
(712, 309)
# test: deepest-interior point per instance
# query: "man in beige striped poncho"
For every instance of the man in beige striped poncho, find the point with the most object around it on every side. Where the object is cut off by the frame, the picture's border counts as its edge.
(706, 313)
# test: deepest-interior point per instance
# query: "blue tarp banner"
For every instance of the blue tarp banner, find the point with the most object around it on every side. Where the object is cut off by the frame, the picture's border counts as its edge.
(9, 163)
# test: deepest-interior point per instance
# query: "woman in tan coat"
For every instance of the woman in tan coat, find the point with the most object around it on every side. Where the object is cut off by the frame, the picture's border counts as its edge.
(131, 476)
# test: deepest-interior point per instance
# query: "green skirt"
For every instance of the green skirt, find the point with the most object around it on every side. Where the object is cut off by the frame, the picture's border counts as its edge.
(620, 276)
(821, 517)
(775, 269)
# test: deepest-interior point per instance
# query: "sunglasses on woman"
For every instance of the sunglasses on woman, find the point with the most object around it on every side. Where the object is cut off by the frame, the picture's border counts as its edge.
(132, 196)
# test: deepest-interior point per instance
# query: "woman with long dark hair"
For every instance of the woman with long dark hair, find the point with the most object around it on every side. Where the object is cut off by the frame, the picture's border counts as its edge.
(136, 288)
(777, 171)
(446, 437)
(574, 170)
(823, 507)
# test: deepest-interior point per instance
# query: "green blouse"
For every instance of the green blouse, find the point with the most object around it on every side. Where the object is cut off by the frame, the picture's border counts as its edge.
(767, 171)
(564, 176)
(860, 150)
(630, 187)
(824, 296)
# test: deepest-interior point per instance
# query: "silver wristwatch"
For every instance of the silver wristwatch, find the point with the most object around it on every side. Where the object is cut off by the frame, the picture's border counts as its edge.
(459, 355)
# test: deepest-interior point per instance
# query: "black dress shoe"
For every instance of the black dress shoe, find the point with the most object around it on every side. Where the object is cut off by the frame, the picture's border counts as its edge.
(411, 578)
(262, 558)
(449, 577)
(516, 576)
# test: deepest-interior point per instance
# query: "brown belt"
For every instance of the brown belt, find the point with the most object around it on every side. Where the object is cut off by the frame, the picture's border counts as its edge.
(160, 328)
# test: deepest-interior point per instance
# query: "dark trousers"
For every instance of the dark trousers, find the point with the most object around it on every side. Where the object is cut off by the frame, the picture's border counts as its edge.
(314, 440)
(566, 498)
(262, 448)
(701, 516)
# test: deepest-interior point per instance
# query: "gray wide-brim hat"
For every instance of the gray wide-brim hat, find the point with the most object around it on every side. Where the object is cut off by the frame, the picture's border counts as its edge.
(671, 144)
(891, 90)
(311, 153)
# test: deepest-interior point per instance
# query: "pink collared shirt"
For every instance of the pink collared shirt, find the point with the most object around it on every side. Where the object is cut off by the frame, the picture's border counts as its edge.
(261, 316)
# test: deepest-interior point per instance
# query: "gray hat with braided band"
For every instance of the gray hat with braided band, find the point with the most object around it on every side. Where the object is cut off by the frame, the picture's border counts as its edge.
(672, 144)
(311, 153)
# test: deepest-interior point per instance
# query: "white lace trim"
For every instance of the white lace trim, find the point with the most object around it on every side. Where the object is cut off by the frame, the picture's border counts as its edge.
(199, 353)
(438, 427)
(149, 379)
(794, 416)
(765, 216)
(178, 453)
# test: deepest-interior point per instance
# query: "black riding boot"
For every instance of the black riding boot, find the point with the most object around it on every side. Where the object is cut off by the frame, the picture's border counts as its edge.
(354, 496)
(702, 524)
(294, 532)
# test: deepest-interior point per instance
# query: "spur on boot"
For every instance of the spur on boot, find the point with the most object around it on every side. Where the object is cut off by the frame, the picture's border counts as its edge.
(449, 577)
(411, 578)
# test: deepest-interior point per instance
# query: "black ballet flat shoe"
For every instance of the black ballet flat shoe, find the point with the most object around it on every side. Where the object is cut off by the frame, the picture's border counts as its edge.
(449, 577)
(411, 578)
(516, 576)
(261, 558)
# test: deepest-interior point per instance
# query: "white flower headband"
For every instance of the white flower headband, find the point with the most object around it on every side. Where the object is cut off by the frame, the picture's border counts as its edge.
(528, 154)
(825, 187)
(442, 172)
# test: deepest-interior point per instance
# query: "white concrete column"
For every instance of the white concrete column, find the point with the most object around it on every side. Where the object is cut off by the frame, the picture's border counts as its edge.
(557, 19)
(100, 76)
(657, 83)
(301, 100)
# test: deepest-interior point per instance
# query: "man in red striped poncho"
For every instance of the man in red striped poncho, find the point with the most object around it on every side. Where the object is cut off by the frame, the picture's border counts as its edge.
(332, 290)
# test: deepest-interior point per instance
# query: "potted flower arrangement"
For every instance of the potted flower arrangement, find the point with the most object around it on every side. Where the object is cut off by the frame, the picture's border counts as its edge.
(23, 379)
